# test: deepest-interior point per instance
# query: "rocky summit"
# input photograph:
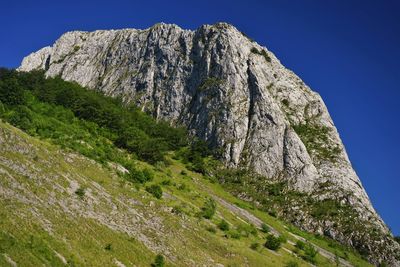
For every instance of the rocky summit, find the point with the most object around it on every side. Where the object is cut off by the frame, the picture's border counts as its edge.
(236, 95)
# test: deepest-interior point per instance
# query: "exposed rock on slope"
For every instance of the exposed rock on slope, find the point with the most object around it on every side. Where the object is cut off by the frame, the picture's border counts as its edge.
(50, 199)
(227, 89)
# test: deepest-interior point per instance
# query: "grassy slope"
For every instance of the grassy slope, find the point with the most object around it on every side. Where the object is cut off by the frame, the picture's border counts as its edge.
(43, 220)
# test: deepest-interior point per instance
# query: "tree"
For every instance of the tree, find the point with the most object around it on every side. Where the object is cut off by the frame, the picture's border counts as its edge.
(11, 92)
(55, 103)
(152, 150)
(21, 117)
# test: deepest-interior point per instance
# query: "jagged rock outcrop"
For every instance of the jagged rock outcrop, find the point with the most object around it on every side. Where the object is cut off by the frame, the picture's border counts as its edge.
(227, 90)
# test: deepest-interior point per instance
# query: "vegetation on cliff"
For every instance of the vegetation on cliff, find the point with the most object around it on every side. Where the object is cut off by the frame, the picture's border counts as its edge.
(144, 151)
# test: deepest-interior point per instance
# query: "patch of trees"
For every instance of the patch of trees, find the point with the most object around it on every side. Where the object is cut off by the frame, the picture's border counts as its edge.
(33, 103)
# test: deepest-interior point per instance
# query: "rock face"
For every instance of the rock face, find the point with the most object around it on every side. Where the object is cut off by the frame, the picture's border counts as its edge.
(226, 89)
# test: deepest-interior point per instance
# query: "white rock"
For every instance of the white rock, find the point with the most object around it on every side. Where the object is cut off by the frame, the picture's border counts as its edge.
(248, 110)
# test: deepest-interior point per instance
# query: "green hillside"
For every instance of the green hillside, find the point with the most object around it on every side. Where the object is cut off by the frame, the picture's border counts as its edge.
(90, 181)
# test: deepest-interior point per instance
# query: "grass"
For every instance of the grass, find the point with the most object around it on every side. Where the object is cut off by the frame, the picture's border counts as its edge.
(316, 139)
(282, 227)
(112, 184)
(84, 242)
(80, 231)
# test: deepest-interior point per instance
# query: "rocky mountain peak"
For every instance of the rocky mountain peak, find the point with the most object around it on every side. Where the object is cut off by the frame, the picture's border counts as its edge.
(229, 91)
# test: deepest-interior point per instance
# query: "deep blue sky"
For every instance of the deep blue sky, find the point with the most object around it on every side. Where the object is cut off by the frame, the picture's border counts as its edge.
(348, 51)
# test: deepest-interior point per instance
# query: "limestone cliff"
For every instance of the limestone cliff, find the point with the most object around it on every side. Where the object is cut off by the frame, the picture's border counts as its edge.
(227, 90)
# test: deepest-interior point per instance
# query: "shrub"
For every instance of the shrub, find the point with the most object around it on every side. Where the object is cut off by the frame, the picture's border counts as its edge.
(235, 234)
(80, 192)
(177, 210)
(247, 229)
(300, 244)
(254, 246)
(283, 239)
(2, 108)
(108, 247)
(166, 182)
(292, 264)
(160, 165)
(285, 102)
(252, 230)
(309, 253)
(262, 53)
(209, 208)
(266, 56)
(211, 229)
(337, 259)
(155, 190)
(197, 164)
(326, 207)
(210, 83)
(148, 174)
(195, 155)
(254, 50)
(272, 242)
(158, 261)
(272, 212)
(223, 225)
(264, 228)
(139, 176)
(182, 187)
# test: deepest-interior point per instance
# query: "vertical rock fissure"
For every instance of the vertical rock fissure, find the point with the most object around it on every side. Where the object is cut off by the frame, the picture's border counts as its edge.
(250, 111)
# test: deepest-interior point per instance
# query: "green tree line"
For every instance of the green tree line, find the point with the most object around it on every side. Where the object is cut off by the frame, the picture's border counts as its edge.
(57, 109)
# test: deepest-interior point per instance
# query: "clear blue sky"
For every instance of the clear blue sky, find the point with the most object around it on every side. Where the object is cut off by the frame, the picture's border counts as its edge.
(348, 51)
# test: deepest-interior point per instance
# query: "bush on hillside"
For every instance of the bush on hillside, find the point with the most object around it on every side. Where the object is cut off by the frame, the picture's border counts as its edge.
(309, 253)
(80, 192)
(272, 242)
(223, 225)
(155, 190)
(139, 176)
(158, 261)
(292, 264)
(254, 246)
(264, 228)
(300, 244)
(209, 208)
